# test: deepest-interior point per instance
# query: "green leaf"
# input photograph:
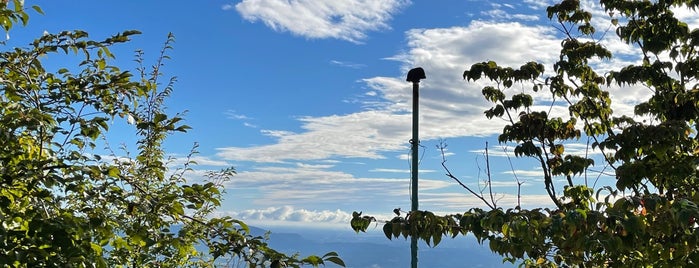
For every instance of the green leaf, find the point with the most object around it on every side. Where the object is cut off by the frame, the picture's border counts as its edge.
(38, 9)
(436, 238)
(388, 230)
(313, 260)
(177, 208)
(113, 171)
(334, 258)
(159, 117)
(120, 243)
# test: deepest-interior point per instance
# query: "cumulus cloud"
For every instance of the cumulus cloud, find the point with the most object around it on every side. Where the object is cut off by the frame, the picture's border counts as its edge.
(291, 214)
(340, 19)
(449, 106)
(687, 15)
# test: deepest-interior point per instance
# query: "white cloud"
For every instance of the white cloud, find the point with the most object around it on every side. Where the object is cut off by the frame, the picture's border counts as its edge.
(460, 202)
(289, 213)
(534, 173)
(341, 19)
(249, 125)
(207, 161)
(572, 148)
(394, 170)
(441, 204)
(241, 117)
(449, 106)
(234, 115)
(502, 15)
(687, 15)
(311, 166)
(348, 64)
(539, 4)
(227, 7)
(363, 134)
(289, 184)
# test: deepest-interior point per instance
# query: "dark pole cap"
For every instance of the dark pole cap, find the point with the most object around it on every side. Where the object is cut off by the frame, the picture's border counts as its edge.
(415, 75)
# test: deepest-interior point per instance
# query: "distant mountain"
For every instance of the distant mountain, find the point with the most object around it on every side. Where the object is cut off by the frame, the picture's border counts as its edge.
(373, 250)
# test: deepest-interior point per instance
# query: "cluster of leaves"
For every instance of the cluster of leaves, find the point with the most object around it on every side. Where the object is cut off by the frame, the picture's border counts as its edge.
(63, 204)
(648, 218)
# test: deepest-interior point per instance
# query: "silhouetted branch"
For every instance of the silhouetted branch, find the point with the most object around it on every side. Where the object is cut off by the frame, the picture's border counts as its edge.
(487, 170)
(519, 183)
(442, 146)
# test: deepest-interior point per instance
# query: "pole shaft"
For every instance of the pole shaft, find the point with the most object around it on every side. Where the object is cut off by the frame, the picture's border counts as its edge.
(414, 149)
(414, 169)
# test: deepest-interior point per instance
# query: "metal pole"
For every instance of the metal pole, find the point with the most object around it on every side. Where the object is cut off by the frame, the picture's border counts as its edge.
(414, 170)
(414, 76)
(415, 142)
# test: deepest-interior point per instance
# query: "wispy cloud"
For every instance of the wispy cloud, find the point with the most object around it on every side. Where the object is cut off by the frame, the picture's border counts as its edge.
(324, 188)
(340, 19)
(241, 117)
(247, 124)
(234, 115)
(533, 173)
(359, 135)
(390, 170)
(227, 6)
(312, 166)
(572, 148)
(459, 202)
(395, 170)
(538, 4)
(348, 64)
(499, 14)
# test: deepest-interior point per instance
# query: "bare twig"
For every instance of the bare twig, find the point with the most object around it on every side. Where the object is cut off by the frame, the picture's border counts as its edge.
(519, 183)
(487, 170)
(442, 146)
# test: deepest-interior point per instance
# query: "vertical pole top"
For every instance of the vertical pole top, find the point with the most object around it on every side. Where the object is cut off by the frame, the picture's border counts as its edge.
(414, 75)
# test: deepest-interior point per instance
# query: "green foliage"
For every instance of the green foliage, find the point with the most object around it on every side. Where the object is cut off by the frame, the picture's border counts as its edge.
(64, 204)
(649, 217)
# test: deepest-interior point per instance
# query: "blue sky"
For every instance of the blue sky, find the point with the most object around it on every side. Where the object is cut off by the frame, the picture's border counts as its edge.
(308, 100)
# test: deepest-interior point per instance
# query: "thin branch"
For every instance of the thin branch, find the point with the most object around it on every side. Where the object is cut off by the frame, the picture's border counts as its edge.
(442, 147)
(519, 183)
(487, 170)
(548, 182)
